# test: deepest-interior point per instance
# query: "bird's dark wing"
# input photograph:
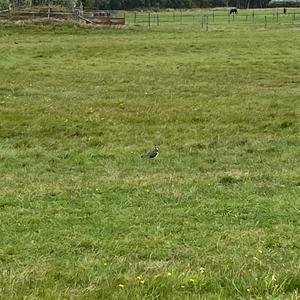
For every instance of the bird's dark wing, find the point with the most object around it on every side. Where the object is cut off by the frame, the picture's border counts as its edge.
(153, 153)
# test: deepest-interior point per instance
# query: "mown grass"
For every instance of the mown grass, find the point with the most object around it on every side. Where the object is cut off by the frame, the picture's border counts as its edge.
(217, 19)
(216, 216)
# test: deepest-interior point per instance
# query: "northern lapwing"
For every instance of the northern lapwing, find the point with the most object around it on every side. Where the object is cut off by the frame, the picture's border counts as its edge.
(152, 153)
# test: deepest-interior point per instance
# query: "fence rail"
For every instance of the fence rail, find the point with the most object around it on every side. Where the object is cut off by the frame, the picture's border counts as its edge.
(215, 19)
(90, 17)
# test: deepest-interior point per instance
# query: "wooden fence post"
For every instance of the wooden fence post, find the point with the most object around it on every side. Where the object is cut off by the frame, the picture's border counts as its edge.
(149, 20)
(10, 9)
(49, 11)
(157, 19)
(134, 18)
(265, 22)
(206, 23)
(81, 9)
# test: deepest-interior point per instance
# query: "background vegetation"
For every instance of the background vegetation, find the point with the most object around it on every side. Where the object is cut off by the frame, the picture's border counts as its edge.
(140, 4)
(216, 216)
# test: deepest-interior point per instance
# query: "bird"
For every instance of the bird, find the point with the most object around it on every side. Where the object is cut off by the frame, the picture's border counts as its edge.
(152, 153)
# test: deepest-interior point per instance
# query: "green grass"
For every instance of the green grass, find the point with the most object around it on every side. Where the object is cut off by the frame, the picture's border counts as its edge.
(216, 216)
(218, 19)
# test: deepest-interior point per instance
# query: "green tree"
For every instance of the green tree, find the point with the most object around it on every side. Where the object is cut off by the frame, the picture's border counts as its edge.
(4, 4)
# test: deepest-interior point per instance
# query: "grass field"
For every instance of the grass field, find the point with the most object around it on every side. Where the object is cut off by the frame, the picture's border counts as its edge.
(213, 19)
(216, 19)
(215, 216)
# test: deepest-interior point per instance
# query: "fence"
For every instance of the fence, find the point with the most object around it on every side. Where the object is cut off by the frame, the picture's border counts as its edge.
(189, 20)
(91, 17)
(215, 19)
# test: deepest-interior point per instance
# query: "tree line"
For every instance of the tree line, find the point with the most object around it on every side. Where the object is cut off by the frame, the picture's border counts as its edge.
(142, 4)
(175, 4)
(156, 4)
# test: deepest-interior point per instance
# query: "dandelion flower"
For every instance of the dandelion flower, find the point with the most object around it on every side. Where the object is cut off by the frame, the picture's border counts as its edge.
(192, 280)
(169, 274)
(142, 281)
(121, 286)
(139, 278)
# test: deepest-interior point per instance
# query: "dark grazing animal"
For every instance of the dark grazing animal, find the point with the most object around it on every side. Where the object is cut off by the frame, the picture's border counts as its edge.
(233, 11)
